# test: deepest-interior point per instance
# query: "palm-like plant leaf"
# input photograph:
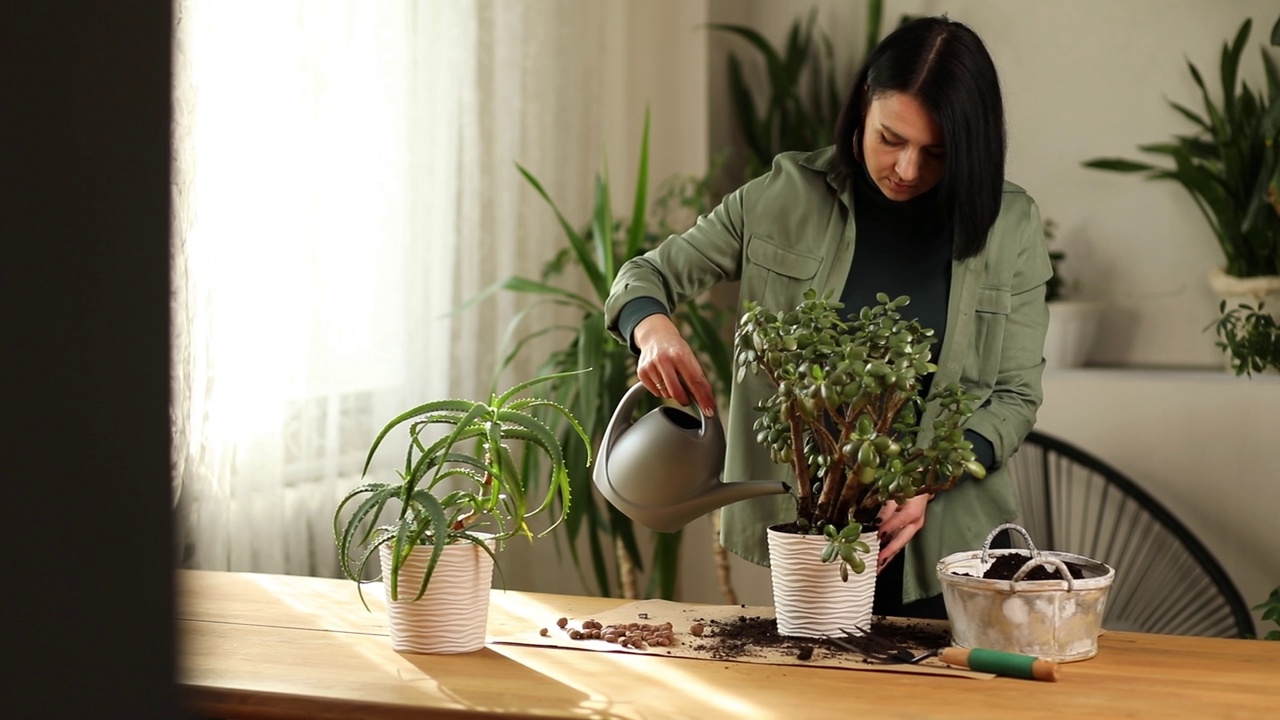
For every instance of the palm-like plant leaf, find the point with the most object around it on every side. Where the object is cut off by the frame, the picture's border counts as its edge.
(635, 234)
(787, 118)
(1228, 167)
(598, 281)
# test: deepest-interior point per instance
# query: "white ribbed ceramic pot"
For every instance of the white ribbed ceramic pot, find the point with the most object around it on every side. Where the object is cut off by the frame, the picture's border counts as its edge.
(809, 598)
(452, 615)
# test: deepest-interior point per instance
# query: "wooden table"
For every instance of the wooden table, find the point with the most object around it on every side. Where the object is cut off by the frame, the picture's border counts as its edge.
(276, 646)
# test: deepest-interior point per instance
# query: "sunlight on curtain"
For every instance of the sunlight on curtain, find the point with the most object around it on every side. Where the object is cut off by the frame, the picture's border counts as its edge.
(315, 223)
(344, 177)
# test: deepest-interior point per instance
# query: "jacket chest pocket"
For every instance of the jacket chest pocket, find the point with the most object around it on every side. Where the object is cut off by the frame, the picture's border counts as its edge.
(777, 276)
(991, 313)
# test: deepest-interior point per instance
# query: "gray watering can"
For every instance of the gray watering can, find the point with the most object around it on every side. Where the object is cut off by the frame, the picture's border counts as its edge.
(664, 470)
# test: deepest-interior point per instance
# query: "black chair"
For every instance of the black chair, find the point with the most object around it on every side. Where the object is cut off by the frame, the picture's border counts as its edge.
(1166, 580)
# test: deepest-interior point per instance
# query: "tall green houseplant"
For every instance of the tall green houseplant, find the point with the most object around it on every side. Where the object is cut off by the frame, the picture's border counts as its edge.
(801, 102)
(1230, 164)
(598, 251)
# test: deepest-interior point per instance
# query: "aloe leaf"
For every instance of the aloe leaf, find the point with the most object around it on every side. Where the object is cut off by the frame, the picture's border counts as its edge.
(540, 434)
(521, 387)
(516, 494)
(576, 241)
(462, 406)
(371, 508)
(436, 519)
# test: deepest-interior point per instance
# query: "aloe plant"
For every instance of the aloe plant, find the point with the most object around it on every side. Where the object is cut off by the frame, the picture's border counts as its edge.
(805, 90)
(845, 413)
(598, 251)
(490, 493)
(1230, 163)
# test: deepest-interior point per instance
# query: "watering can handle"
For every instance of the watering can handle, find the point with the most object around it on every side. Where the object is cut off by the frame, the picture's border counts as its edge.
(621, 419)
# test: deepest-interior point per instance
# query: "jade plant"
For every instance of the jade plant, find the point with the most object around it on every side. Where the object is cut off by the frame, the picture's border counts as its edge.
(465, 486)
(846, 411)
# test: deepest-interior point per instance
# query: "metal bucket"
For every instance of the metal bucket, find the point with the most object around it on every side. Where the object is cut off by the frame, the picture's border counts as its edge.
(1051, 619)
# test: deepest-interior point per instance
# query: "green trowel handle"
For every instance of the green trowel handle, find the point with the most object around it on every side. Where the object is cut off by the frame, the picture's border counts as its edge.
(1001, 663)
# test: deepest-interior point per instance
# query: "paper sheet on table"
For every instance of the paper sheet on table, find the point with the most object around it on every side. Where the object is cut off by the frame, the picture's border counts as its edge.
(682, 616)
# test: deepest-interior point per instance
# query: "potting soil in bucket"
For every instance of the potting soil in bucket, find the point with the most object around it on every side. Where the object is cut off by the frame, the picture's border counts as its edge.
(1055, 620)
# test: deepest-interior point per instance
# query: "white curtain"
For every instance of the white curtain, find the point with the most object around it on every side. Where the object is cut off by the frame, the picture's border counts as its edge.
(344, 178)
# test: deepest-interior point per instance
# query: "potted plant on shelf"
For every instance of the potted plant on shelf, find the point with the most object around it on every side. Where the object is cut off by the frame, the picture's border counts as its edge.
(1250, 337)
(1073, 322)
(458, 498)
(845, 417)
(1230, 166)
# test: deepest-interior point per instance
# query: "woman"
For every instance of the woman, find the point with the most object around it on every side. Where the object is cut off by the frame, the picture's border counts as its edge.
(911, 200)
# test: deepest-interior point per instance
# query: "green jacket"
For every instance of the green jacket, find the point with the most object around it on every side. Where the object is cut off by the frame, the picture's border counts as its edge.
(793, 229)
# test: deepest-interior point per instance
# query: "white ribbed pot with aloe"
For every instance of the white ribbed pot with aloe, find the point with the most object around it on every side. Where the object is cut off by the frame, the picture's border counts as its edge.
(452, 614)
(814, 598)
(459, 495)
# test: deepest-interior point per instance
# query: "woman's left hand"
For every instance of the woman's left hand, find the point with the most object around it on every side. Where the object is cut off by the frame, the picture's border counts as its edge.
(898, 524)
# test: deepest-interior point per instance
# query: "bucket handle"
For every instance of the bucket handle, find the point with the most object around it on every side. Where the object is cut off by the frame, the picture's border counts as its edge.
(986, 545)
(1041, 560)
(1036, 559)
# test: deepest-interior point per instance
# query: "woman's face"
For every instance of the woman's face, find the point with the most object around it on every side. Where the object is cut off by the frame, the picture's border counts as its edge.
(902, 147)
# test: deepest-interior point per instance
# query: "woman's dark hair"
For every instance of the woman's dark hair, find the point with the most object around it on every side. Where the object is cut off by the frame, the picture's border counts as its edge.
(944, 65)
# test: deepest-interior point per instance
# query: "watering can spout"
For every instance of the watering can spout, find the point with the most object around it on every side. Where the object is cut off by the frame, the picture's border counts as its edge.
(664, 470)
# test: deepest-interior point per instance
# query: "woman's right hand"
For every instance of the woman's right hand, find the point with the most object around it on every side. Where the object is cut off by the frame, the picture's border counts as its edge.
(668, 366)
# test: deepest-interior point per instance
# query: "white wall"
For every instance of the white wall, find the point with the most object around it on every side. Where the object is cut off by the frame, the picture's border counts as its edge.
(1082, 78)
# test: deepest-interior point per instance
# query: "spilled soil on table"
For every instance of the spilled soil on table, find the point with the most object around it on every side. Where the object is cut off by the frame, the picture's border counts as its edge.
(746, 636)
